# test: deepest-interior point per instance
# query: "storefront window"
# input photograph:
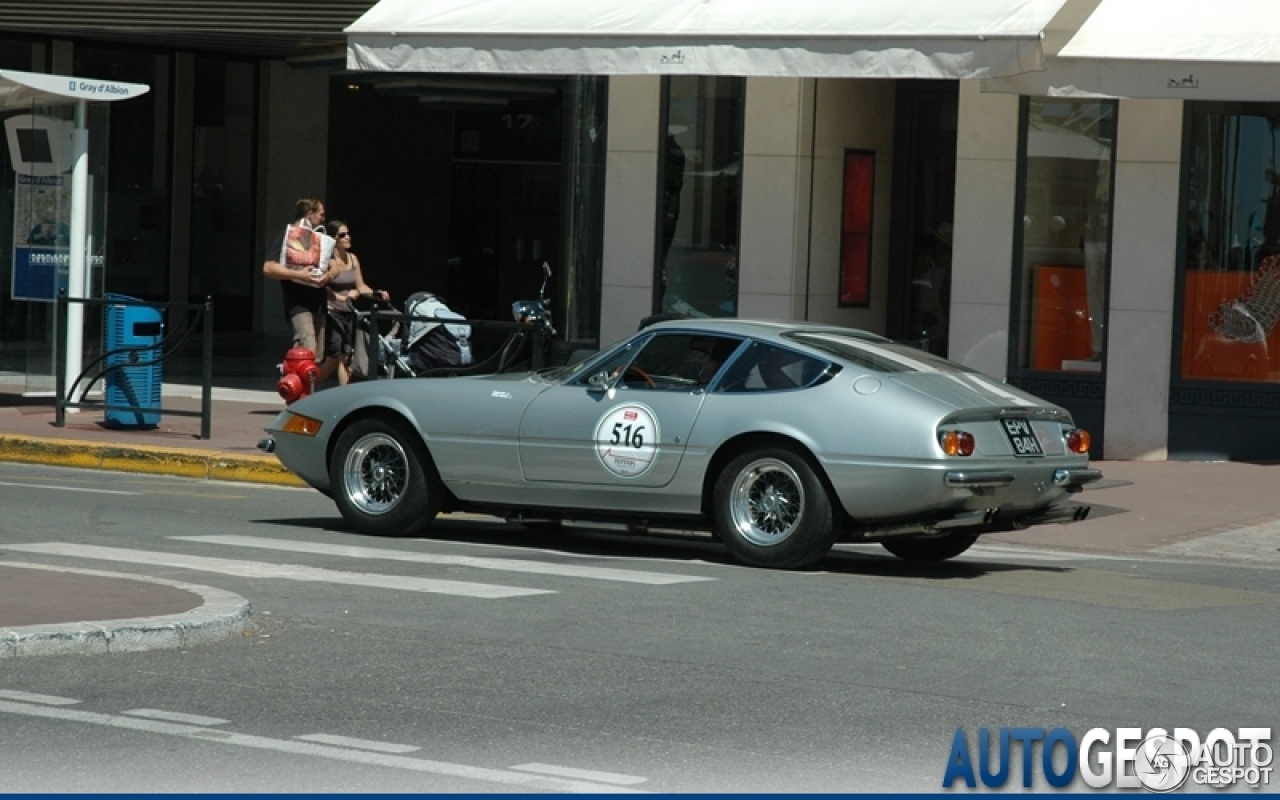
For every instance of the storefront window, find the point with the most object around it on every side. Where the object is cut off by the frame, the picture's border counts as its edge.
(224, 259)
(1067, 157)
(701, 185)
(131, 140)
(1231, 244)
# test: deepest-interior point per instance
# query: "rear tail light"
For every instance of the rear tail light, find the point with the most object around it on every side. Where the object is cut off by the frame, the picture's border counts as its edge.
(956, 443)
(1078, 440)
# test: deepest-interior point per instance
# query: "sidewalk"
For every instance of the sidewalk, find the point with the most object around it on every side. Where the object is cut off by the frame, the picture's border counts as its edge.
(1212, 510)
(174, 447)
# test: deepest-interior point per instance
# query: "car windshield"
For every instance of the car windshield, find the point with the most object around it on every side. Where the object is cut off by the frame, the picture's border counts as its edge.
(878, 355)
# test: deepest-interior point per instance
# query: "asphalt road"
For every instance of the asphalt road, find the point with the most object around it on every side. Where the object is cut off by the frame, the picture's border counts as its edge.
(489, 658)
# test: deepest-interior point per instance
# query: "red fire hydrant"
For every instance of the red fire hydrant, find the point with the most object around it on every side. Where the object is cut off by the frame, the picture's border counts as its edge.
(298, 375)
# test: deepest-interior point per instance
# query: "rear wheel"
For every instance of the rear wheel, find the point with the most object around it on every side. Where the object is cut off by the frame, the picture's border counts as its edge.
(383, 479)
(771, 509)
(933, 548)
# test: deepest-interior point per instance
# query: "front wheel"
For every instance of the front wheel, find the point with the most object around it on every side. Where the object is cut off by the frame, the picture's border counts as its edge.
(383, 479)
(936, 548)
(771, 509)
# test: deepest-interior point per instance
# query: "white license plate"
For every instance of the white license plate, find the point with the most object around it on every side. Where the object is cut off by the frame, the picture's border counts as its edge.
(1022, 437)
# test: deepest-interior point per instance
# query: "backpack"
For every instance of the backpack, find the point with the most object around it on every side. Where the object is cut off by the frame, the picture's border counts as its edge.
(431, 345)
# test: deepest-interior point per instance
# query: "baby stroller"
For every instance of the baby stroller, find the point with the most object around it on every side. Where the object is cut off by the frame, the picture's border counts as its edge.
(428, 344)
(416, 343)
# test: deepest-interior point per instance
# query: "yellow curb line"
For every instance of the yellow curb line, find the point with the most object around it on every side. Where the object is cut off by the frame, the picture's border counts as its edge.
(214, 465)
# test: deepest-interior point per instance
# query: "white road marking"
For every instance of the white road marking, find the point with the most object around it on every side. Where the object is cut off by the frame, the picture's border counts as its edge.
(1036, 554)
(505, 777)
(1026, 553)
(175, 716)
(46, 699)
(581, 774)
(64, 488)
(502, 564)
(290, 572)
(359, 744)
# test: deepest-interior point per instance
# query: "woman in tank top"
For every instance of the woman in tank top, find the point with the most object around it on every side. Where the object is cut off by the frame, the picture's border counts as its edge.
(345, 348)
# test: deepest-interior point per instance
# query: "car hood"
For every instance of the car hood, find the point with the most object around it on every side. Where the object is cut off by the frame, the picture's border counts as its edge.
(967, 390)
(341, 399)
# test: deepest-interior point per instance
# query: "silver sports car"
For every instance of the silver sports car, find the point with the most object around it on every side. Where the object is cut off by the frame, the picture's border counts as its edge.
(782, 438)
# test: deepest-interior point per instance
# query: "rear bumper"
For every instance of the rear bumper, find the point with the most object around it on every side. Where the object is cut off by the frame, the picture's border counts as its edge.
(1070, 479)
(1075, 479)
(978, 478)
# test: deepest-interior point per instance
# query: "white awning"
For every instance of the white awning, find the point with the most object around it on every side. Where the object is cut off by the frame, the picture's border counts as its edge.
(794, 38)
(1178, 49)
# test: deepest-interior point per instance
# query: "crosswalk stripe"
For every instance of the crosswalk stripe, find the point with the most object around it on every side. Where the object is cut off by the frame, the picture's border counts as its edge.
(292, 572)
(502, 564)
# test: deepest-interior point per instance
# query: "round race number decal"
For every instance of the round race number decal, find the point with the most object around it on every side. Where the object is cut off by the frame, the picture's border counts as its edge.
(627, 440)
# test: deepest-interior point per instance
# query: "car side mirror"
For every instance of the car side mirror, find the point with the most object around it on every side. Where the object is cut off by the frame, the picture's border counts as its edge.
(598, 382)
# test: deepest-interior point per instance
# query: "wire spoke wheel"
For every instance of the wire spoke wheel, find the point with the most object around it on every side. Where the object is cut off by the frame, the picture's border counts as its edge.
(375, 473)
(767, 502)
(383, 479)
(771, 508)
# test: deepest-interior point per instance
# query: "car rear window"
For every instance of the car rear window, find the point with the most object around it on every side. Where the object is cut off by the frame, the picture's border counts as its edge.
(877, 355)
(763, 367)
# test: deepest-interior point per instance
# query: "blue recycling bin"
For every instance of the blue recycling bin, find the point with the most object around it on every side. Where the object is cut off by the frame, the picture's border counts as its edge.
(135, 381)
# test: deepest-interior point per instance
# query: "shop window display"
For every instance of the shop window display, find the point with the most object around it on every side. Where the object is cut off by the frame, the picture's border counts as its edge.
(701, 182)
(1067, 159)
(1231, 243)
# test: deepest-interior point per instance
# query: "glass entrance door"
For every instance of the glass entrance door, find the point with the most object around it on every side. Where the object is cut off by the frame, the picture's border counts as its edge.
(923, 209)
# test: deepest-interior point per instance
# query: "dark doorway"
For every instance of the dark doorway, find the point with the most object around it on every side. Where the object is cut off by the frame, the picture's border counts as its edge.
(451, 184)
(924, 170)
(506, 203)
(390, 168)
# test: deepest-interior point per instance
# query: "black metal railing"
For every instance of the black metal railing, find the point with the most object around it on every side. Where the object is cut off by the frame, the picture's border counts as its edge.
(196, 315)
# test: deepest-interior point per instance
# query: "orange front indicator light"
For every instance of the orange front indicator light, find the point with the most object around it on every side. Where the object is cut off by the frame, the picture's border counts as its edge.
(1078, 441)
(302, 426)
(956, 443)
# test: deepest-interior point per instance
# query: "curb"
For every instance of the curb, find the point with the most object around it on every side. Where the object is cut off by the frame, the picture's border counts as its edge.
(213, 465)
(222, 615)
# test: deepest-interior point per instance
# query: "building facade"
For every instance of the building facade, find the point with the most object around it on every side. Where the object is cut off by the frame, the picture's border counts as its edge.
(1112, 255)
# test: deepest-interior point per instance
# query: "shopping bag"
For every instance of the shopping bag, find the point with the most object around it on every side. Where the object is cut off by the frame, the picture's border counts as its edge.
(306, 248)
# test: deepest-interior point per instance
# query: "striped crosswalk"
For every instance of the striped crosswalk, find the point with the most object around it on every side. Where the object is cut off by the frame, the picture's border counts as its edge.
(490, 567)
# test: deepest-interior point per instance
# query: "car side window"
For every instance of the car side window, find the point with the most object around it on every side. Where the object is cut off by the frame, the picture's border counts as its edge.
(676, 362)
(767, 368)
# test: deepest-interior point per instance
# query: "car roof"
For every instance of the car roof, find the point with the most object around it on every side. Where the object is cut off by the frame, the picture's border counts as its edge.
(759, 328)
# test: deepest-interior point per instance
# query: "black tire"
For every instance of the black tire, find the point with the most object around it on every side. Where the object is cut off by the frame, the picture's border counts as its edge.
(771, 509)
(932, 548)
(383, 479)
